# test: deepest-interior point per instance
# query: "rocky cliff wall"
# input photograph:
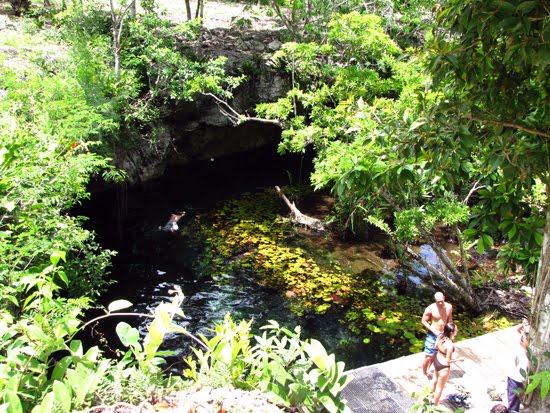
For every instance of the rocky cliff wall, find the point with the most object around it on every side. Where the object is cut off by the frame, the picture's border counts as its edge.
(198, 130)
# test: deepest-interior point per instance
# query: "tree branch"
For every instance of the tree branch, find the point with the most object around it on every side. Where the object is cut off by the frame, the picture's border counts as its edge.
(472, 191)
(461, 279)
(511, 125)
(235, 117)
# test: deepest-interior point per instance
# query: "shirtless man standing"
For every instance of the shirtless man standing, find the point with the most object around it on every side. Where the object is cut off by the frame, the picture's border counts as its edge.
(434, 319)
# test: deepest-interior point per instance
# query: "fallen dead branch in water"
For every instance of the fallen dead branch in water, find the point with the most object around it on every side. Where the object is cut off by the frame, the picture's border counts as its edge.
(297, 217)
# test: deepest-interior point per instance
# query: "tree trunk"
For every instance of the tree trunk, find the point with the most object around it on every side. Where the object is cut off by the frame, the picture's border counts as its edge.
(188, 9)
(459, 289)
(200, 9)
(540, 318)
(452, 289)
(133, 9)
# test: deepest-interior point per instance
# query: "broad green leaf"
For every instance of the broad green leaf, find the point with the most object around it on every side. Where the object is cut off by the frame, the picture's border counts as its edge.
(129, 336)
(527, 6)
(47, 404)
(487, 240)
(92, 354)
(63, 277)
(533, 384)
(318, 354)
(298, 394)
(544, 388)
(416, 125)
(62, 395)
(322, 382)
(76, 348)
(56, 256)
(480, 246)
(12, 399)
(61, 367)
(329, 404)
(513, 230)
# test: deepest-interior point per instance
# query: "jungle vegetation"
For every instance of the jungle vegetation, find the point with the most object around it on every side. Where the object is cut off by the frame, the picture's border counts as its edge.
(422, 115)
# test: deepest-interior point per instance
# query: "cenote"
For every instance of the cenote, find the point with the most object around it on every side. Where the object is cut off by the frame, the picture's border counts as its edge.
(150, 262)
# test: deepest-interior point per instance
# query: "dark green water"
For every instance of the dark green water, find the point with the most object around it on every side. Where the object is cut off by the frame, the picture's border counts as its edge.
(150, 262)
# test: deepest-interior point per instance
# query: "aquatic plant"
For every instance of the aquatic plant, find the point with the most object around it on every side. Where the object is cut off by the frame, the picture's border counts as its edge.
(250, 232)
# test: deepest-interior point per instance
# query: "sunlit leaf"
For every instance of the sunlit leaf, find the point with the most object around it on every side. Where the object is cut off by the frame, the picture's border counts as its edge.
(118, 305)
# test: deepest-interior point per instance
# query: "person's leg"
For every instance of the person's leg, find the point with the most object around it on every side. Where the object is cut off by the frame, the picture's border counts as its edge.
(433, 383)
(442, 380)
(426, 363)
(429, 351)
(513, 388)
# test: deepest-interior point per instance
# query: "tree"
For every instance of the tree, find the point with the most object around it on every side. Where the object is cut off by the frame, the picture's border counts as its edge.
(490, 64)
(308, 19)
(351, 101)
(47, 260)
(20, 6)
(118, 15)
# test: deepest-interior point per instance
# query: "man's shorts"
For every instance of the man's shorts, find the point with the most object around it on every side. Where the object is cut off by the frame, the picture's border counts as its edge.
(429, 344)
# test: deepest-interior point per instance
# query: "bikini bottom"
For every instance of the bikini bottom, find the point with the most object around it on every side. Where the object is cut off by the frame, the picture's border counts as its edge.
(438, 366)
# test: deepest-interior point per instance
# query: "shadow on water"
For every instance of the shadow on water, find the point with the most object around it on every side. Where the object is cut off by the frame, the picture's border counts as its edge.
(150, 262)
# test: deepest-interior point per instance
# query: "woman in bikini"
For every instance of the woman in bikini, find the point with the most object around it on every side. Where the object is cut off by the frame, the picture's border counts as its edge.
(442, 359)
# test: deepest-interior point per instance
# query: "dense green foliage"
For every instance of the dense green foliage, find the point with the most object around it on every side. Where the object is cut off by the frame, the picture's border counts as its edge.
(294, 372)
(493, 84)
(461, 143)
(489, 62)
(149, 64)
(406, 21)
(48, 132)
(388, 149)
(453, 135)
(61, 114)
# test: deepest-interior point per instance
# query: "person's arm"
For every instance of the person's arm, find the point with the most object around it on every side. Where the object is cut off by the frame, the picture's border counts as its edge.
(450, 353)
(426, 318)
(450, 314)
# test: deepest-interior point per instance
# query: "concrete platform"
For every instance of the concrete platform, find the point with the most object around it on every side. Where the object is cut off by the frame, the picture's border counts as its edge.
(387, 387)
